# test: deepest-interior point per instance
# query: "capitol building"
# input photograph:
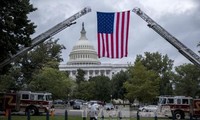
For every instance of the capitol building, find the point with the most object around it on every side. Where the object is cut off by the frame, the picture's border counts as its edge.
(84, 56)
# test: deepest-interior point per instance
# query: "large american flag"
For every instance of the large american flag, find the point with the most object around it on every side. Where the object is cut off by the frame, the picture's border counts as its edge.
(113, 29)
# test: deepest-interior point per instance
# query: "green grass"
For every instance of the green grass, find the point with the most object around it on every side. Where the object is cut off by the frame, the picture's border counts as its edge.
(69, 118)
(41, 118)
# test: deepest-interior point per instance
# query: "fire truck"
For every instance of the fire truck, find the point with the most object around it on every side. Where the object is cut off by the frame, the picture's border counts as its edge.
(179, 106)
(34, 102)
(26, 101)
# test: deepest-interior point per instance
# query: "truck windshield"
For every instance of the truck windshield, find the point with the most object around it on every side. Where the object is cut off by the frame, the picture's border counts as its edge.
(162, 101)
(40, 97)
(48, 97)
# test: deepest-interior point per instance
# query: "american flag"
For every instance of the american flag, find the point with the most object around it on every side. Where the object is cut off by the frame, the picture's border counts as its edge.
(113, 29)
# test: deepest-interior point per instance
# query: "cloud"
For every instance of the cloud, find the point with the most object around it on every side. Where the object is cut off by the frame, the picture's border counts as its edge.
(180, 18)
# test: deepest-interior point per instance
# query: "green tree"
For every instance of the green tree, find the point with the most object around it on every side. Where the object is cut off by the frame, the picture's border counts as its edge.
(85, 90)
(47, 54)
(15, 27)
(79, 87)
(118, 90)
(80, 76)
(52, 80)
(187, 80)
(143, 84)
(8, 81)
(162, 65)
(100, 88)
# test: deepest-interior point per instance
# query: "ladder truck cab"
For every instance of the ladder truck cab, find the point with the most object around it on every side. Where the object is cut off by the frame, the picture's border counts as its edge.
(179, 106)
(34, 102)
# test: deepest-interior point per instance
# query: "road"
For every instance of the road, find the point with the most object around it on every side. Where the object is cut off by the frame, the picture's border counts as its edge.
(125, 112)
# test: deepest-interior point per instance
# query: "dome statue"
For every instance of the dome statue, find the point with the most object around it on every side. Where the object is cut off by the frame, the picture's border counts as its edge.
(83, 53)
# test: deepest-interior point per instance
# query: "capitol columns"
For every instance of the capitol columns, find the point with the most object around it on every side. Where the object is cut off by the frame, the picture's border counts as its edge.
(88, 74)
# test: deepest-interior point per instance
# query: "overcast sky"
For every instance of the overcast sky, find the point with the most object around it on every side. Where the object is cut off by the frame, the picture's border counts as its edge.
(181, 18)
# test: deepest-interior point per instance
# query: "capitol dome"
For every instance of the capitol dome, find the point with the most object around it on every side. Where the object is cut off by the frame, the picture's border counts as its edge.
(83, 53)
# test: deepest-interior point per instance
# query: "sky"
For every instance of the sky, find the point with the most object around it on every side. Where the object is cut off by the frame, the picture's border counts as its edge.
(181, 18)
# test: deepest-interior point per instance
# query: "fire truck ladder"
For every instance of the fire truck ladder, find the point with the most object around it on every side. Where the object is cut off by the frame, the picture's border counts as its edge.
(185, 51)
(49, 33)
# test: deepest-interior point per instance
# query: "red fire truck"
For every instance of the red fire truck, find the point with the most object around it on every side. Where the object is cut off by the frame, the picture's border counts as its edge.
(179, 106)
(34, 102)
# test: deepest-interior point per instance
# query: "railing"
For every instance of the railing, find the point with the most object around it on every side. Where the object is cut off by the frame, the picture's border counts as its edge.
(119, 115)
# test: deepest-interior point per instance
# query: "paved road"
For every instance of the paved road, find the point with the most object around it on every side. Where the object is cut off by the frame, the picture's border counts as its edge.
(125, 112)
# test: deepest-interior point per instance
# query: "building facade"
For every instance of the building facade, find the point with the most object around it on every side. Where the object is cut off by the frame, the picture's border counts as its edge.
(84, 56)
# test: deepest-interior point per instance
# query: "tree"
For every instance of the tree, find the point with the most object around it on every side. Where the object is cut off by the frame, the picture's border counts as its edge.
(143, 84)
(8, 81)
(118, 90)
(15, 27)
(80, 76)
(47, 54)
(80, 84)
(100, 88)
(162, 65)
(52, 80)
(85, 90)
(187, 80)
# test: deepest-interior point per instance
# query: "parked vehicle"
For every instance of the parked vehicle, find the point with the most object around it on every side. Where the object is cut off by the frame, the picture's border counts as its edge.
(34, 102)
(60, 102)
(109, 106)
(77, 105)
(179, 106)
(148, 108)
(96, 104)
(72, 101)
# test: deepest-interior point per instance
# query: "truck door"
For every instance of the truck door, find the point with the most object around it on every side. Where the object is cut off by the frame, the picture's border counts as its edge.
(1, 101)
(17, 107)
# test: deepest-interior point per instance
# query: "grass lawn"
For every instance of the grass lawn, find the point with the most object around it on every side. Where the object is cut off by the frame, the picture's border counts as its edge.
(69, 118)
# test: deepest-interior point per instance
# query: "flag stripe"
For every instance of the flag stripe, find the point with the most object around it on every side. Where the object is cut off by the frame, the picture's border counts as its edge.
(103, 44)
(107, 47)
(112, 46)
(127, 29)
(99, 45)
(122, 35)
(117, 35)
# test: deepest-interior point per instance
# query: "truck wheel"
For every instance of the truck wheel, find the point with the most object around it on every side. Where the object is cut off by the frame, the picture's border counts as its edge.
(178, 115)
(32, 110)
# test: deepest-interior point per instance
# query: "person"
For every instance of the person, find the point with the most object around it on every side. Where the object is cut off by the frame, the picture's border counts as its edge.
(102, 113)
(119, 113)
(84, 112)
(93, 113)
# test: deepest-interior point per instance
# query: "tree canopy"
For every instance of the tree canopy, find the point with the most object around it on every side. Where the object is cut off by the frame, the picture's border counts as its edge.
(47, 54)
(162, 66)
(102, 87)
(52, 80)
(118, 90)
(16, 28)
(80, 76)
(187, 80)
(143, 84)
